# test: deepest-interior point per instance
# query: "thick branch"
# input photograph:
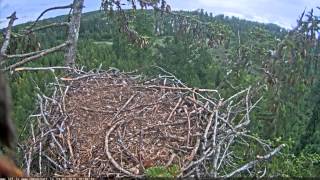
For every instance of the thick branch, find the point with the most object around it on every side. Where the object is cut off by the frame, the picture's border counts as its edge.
(48, 51)
(22, 55)
(7, 36)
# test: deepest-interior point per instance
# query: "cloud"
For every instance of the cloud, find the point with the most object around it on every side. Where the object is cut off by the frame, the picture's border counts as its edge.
(281, 12)
(28, 10)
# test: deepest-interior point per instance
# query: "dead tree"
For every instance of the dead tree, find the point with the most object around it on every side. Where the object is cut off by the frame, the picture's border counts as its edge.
(73, 34)
(69, 46)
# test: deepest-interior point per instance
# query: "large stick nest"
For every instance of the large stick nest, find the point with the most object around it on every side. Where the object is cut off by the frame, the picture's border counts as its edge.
(114, 124)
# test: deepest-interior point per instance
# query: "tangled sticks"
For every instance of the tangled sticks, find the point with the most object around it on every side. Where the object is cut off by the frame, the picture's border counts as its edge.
(111, 124)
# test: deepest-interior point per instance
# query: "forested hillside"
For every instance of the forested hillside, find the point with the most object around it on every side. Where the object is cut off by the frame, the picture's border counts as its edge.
(280, 65)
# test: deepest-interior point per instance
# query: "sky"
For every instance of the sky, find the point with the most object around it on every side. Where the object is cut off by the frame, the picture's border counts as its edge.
(281, 12)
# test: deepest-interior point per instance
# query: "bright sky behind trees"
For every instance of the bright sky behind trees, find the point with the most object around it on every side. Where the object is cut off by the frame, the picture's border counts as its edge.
(281, 12)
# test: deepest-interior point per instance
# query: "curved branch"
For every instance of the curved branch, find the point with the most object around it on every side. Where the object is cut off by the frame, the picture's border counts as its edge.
(106, 148)
(47, 10)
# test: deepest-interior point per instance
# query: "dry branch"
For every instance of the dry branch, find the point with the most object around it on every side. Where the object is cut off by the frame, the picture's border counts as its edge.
(47, 26)
(252, 163)
(41, 68)
(6, 41)
(37, 56)
(45, 11)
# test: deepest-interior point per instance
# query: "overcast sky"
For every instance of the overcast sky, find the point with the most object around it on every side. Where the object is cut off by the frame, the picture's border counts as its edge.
(281, 12)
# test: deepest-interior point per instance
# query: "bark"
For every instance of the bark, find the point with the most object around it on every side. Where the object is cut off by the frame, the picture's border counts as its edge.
(73, 34)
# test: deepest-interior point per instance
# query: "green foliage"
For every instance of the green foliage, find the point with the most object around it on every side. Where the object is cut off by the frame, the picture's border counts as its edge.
(227, 54)
(162, 172)
(291, 165)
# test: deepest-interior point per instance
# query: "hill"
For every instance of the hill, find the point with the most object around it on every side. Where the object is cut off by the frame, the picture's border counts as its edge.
(278, 65)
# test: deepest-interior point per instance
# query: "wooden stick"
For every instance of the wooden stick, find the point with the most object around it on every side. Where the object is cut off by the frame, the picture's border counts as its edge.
(173, 110)
(124, 106)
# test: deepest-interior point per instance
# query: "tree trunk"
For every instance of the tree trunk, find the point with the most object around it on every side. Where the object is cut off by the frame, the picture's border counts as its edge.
(73, 34)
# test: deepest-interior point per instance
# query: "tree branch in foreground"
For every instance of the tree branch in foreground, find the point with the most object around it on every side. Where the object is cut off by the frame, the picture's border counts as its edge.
(51, 50)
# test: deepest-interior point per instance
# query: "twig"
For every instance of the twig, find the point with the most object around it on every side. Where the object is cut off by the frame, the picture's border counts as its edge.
(78, 78)
(215, 161)
(51, 133)
(174, 109)
(123, 107)
(53, 162)
(195, 150)
(206, 154)
(40, 147)
(207, 131)
(69, 142)
(40, 68)
(189, 126)
(177, 88)
(252, 163)
(173, 155)
(29, 160)
(225, 152)
(96, 110)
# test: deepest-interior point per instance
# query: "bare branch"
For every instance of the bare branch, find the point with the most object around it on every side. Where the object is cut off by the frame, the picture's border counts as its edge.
(252, 163)
(40, 68)
(47, 10)
(22, 55)
(47, 26)
(7, 36)
(48, 51)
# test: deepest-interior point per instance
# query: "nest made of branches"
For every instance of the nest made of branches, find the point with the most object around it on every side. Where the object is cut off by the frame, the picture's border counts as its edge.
(117, 125)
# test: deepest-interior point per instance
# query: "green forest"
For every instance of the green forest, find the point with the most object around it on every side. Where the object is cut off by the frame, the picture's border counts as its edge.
(224, 53)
